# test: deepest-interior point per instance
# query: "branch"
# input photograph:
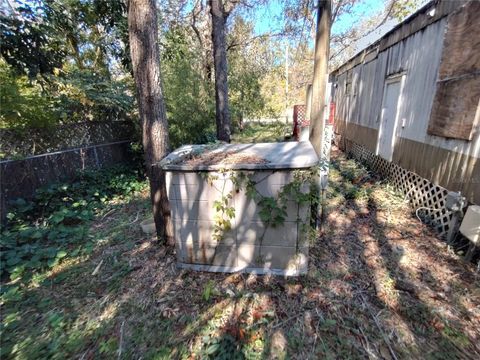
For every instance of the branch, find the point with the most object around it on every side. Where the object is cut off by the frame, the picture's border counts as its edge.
(387, 15)
(385, 338)
(354, 38)
(194, 21)
(253, 39)
(232, 4)
(336, 10)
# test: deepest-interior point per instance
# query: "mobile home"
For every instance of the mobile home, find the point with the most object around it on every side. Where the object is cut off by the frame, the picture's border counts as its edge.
(410, 103)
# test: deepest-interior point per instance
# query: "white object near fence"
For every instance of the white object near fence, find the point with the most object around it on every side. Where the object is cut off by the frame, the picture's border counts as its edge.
(325, 160)
(470, 227)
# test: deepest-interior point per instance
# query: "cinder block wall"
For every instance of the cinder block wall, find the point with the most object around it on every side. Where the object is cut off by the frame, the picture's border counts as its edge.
(249, 244)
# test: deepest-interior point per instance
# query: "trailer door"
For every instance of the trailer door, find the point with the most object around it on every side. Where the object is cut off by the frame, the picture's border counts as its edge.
(388, 122)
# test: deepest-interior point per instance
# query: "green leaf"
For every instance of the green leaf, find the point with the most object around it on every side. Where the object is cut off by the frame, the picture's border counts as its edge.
(52, 262)
(13, 260)
(55, 319)
(328, 323)
(20, 202)
(37, 235)
(57, 218)
(12, 294)
(50, 252)
(61, 254)
(75, 252)
(17, 272)
(212, 349)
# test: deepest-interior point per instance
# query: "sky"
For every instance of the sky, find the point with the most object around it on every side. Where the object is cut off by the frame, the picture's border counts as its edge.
(361, 10)
(269, 17)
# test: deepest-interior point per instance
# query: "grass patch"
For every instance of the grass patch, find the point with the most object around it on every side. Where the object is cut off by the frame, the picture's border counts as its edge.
(262, 132)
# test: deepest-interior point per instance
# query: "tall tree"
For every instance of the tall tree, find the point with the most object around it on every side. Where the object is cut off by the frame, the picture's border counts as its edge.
(222, 116)
(145, 55)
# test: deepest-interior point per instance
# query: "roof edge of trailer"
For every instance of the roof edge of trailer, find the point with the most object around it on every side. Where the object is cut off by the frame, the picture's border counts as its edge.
(417, 21)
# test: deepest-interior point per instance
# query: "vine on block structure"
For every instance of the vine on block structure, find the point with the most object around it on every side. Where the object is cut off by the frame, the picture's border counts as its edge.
(273, 210)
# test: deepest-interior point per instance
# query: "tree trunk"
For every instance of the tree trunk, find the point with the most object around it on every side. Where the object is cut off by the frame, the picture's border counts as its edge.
(219, 18)
(143, 34)
(320, 68)
(206, 55)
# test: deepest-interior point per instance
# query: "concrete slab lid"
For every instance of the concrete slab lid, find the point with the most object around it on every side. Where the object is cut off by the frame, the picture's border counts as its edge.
(283, 155)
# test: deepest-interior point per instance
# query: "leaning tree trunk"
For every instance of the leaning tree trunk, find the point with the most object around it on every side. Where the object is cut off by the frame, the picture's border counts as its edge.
(219, 18)
(144, 51)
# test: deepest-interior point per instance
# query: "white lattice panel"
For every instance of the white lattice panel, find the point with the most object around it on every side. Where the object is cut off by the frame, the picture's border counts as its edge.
(426, 197)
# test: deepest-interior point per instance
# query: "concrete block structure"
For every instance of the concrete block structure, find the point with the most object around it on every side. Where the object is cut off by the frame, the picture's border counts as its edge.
(248, 244)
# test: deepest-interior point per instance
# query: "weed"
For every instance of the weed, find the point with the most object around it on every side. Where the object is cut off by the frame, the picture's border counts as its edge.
(209, 291)
(53, 226)
(224, 347)
(456, 336)
(352, 192)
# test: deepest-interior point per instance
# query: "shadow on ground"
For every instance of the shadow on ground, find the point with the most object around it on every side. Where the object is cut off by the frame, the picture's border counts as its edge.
(380, 285)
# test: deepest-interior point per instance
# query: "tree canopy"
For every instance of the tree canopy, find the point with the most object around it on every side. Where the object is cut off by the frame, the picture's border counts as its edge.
(66, 61)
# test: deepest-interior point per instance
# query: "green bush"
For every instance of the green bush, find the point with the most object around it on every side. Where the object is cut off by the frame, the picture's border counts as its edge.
(87, 95)
(70, 96)
(189, 97)
(22, 102)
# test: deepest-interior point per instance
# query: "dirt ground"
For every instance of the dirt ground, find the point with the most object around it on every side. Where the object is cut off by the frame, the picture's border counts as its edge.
(380, 286)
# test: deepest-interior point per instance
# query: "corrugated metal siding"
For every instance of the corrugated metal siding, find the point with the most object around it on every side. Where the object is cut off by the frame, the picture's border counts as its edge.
(419, 56)
(421, 60)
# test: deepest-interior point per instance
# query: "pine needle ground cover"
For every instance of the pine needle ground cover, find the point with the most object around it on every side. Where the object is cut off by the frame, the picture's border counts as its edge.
(380, 285)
